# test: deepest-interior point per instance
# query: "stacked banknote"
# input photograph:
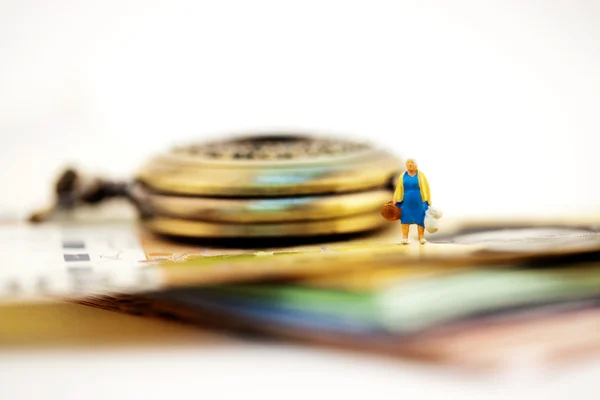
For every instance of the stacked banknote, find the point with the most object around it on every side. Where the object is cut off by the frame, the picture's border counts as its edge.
(479, 293)
(471, 298)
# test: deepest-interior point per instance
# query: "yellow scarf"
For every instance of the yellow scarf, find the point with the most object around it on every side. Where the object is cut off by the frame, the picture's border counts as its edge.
(423, 186)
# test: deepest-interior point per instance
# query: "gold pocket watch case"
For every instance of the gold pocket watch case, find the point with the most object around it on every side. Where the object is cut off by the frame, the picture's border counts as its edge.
(254, 186)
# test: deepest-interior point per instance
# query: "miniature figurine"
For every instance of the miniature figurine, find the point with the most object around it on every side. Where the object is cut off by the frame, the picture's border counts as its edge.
(413, 198)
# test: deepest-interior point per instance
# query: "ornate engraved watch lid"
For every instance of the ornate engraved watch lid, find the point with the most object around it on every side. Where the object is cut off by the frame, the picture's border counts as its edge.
(269, 165)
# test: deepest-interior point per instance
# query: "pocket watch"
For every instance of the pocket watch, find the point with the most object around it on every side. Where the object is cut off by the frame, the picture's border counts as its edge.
(268, 185)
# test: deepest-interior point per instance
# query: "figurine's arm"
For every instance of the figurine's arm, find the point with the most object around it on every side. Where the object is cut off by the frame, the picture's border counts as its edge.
(426, 189)
(399, 192)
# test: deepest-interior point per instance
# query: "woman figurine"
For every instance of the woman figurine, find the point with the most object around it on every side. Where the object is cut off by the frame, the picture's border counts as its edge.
(413, 198)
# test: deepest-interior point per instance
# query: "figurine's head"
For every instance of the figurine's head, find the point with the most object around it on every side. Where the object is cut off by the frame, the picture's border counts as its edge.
(411, 165)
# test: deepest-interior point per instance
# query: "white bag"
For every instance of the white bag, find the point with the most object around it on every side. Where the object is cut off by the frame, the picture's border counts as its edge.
(435, 213)
(432, 216)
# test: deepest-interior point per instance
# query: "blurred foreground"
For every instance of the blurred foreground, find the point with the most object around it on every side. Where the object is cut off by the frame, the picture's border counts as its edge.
(483, 295)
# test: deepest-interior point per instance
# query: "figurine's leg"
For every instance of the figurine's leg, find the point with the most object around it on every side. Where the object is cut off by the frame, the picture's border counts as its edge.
(421, 231)
(405, 229)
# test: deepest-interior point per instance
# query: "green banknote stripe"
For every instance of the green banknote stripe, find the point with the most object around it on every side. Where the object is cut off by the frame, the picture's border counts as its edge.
(335, 304)
(421, 303)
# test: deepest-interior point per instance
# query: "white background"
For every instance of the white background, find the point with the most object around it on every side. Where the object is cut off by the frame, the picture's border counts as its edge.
(498, 101)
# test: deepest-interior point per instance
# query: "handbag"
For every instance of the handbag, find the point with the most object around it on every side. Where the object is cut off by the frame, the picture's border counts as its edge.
(390, 211)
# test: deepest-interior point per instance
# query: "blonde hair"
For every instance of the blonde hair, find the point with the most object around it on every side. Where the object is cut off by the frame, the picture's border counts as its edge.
(413, 161)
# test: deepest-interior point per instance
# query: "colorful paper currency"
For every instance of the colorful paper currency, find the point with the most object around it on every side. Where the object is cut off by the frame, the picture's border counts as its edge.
(87, 256)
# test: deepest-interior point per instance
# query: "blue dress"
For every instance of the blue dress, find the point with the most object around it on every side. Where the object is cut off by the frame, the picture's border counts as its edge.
(412, 206)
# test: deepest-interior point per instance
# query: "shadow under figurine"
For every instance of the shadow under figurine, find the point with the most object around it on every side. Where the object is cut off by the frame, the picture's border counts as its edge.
(411, 203)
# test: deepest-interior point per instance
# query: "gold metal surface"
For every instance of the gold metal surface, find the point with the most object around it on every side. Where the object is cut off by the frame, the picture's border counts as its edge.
(253, 210)
(201, 229)
(294, 170)
(266, 186)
